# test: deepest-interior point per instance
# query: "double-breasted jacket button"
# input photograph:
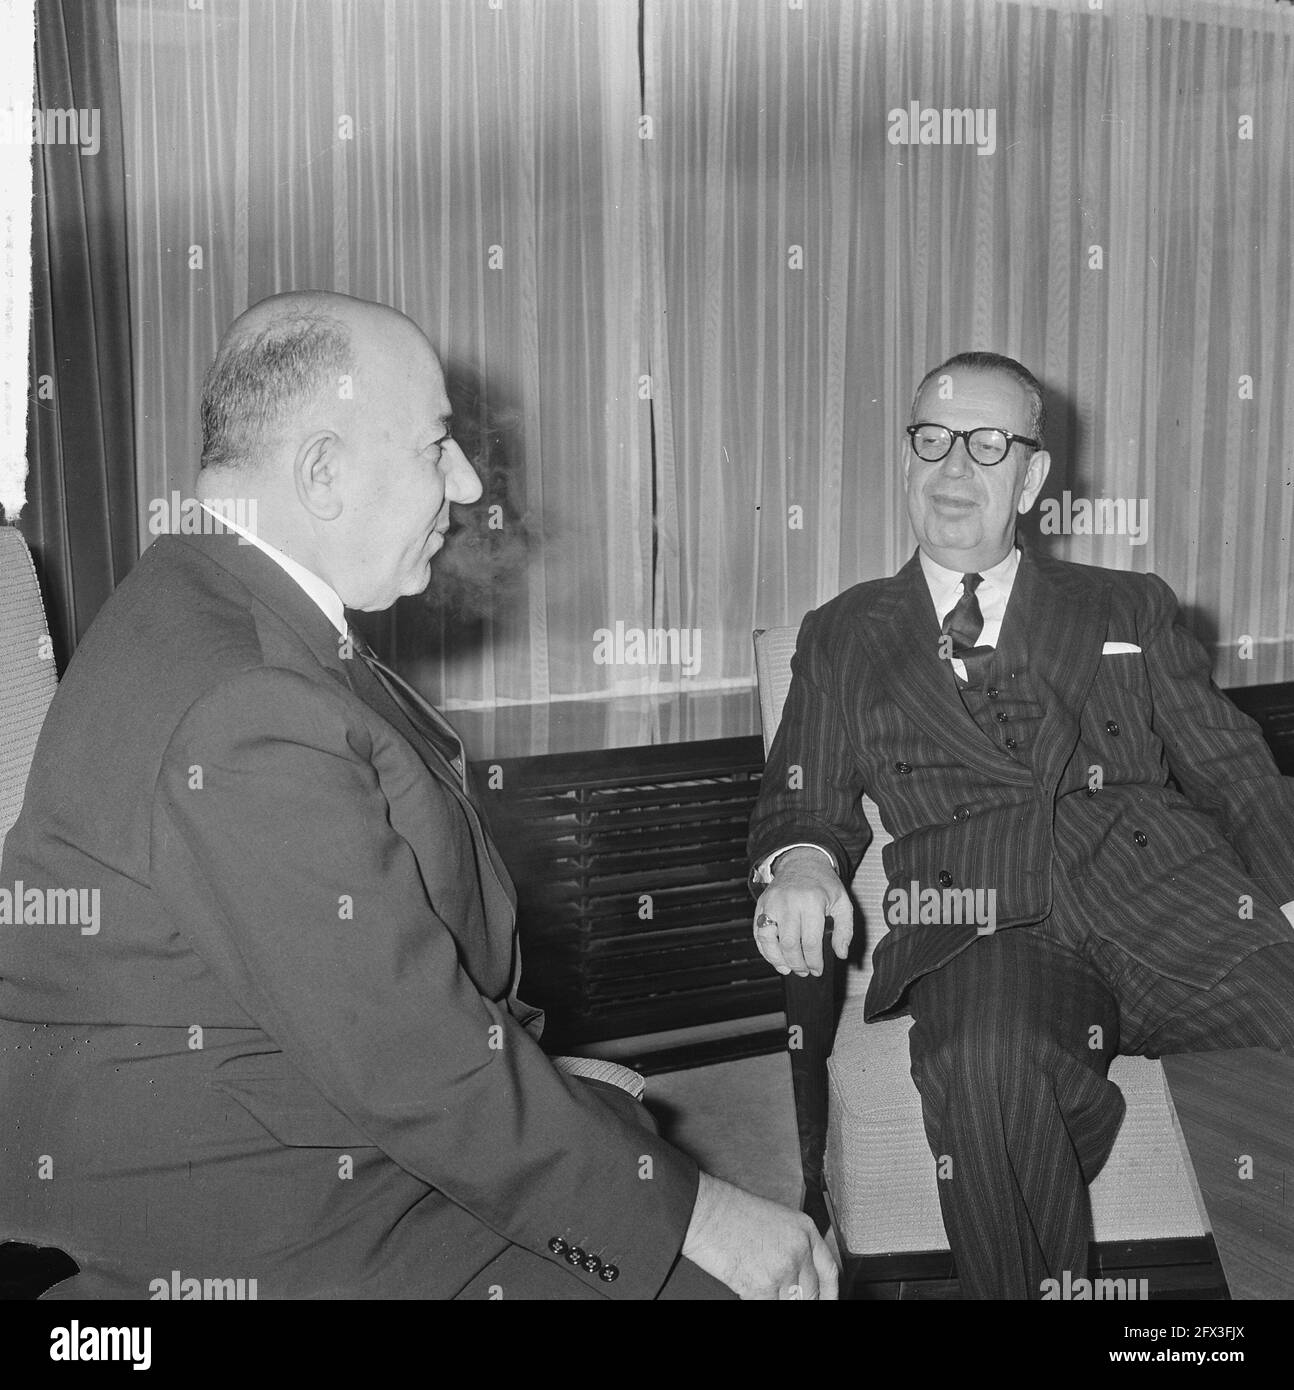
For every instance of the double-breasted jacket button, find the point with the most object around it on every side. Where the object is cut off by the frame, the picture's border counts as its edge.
(558, 1246)
(902, 767)
(992, 692)
(961, 813)
(608, 1274)
(575, 1256)
(1140, 839)
(1091, 791)
(1011, 743)
(945, 878)
(592, 1264)
(1001, 716)
(1111, 728)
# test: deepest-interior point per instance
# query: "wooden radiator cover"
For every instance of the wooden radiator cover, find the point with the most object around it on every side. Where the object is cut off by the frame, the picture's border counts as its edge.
(630, 866)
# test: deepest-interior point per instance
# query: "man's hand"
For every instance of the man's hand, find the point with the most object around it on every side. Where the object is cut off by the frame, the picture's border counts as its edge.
(791, 914)
(758, 1248)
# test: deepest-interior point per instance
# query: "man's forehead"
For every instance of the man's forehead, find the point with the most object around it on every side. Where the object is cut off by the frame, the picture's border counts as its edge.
(437, 398)
(966, 391)
(405, 363)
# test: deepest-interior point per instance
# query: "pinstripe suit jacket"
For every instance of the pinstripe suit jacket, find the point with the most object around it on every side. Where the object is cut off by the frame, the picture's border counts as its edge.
(1192, 820)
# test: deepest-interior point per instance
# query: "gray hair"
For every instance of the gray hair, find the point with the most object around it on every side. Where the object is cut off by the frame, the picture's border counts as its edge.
(258, 381)
(1006, 366)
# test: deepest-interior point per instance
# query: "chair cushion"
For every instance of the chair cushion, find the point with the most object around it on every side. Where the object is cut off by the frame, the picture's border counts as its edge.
(879, 1168)
(881, 1174)
(27, 678)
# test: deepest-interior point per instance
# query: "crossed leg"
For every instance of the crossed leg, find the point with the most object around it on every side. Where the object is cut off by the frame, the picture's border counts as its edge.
(1010, 1046)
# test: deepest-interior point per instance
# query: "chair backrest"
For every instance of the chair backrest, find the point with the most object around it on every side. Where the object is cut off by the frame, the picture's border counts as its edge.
(27, 673)
(774, 647)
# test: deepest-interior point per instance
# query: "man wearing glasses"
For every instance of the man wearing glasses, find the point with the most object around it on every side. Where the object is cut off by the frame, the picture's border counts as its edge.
(1048, 733)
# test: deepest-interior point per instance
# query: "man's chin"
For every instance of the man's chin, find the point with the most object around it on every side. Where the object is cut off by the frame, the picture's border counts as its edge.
(954, 535)
(423, 576)
(408, 588)
(418, 582)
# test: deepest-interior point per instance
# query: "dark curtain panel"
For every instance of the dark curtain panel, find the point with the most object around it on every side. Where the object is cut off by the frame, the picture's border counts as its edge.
(81, 518)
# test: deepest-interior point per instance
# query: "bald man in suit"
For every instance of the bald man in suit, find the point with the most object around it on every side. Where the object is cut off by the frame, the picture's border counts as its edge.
(1045, 735)
(293, 1053)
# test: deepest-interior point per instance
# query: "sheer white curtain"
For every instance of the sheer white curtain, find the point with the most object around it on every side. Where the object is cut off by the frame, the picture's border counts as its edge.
(1127, 237)
(476, 167)
(695, 317)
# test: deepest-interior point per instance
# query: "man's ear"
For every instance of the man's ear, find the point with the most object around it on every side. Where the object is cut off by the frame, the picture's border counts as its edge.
(1034, 477)
(316, 475)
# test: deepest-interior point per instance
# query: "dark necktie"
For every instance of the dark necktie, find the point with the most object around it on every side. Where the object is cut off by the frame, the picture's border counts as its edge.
(964, 624)
(415, 709)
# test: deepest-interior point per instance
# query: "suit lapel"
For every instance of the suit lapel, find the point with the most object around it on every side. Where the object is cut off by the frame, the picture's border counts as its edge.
(1057, 617)
(902, 630)
(415, 713)
(369, 688)
(425, 742)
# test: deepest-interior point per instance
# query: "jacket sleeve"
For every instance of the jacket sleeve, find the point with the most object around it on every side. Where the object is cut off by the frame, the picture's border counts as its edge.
(812, 783)
(269, 817)
(1217, 754)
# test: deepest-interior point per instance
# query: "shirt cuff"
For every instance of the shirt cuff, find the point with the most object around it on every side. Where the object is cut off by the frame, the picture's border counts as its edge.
(764, 869)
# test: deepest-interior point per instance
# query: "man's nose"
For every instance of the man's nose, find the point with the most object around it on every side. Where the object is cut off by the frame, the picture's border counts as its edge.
(461, 482)
(957, 461)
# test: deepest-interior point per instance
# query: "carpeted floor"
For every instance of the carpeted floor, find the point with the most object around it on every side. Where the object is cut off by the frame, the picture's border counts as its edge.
(737, 1119)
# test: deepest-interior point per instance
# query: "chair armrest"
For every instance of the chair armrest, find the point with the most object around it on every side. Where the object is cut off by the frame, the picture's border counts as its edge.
(595, 1069)
(811, 1028)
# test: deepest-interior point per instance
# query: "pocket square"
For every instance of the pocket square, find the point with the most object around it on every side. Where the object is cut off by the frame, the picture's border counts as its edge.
(1118, 648)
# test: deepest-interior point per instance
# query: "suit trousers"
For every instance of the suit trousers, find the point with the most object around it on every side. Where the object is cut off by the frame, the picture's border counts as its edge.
(1010, 1046)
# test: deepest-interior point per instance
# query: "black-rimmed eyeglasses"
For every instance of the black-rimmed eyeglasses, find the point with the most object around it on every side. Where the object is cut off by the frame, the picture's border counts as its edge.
(985, 445)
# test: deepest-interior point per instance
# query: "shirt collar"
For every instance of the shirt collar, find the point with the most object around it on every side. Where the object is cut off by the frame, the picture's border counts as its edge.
(1002, 574)
(319, 590)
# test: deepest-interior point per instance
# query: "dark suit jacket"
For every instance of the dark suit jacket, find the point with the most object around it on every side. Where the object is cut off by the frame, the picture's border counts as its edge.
(873, 708)
(294, 1051)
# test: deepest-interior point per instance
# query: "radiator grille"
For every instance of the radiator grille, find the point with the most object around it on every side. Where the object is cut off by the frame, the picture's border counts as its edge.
(1273, 707)
(586, 837)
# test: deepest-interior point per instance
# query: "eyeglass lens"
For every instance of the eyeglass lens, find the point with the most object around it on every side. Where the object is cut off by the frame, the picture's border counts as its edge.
(985, 445)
